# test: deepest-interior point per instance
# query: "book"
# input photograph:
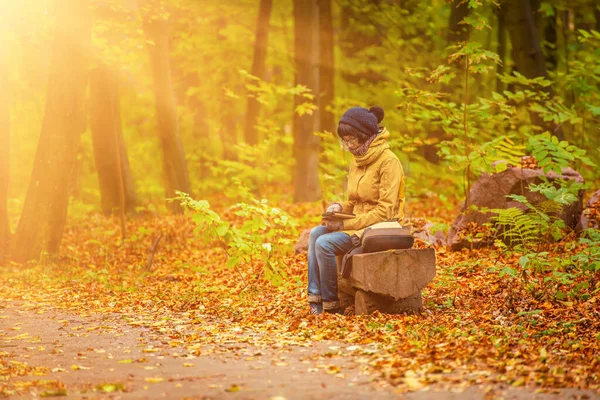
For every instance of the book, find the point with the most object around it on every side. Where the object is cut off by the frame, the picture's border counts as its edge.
(338, 215)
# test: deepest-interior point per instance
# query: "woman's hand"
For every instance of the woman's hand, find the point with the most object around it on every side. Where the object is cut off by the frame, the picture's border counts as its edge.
(333, 224)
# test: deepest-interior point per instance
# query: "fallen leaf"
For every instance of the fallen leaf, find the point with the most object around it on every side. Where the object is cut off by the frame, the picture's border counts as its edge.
(75, 367)
(110, 387)
(233, 388)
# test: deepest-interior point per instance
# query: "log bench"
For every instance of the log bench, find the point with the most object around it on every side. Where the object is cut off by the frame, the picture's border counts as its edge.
(388, 281)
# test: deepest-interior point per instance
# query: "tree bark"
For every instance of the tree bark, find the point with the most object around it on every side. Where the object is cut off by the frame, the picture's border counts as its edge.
(522, 26)
(174, 163)
(4, 159)
(306, 144)
(326, 66)
(550, 43)
(258, 67)
(523, 22)
(112, 164)
(458, 32)
(44, 213)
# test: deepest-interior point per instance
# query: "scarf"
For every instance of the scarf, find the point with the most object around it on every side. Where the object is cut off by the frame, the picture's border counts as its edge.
(374, 147)
(363, 148)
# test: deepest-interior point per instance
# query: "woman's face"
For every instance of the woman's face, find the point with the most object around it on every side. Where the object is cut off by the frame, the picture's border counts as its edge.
(350, 142)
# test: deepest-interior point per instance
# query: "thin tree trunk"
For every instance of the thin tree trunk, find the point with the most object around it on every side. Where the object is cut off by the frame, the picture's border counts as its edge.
(501, 32)
(522, 22)
(44, 213)
(4, 159)
(306, 144)
(326, 66)
(258, 67)
(228, 131)
(114, 174)
(174, 164)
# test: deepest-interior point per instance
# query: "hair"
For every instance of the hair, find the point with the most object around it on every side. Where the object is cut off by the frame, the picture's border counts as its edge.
(344, 130)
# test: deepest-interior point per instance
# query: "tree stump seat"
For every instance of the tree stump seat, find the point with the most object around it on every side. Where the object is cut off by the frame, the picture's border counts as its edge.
(388, 281)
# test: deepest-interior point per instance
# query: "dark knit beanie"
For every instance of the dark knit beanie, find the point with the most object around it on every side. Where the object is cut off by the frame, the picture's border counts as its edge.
(366, 121)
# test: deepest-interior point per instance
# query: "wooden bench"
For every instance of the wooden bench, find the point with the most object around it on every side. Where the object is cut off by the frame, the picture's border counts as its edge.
(388, 281)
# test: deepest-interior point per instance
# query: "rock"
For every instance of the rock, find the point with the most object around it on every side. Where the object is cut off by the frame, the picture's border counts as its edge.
(346, 300)
(490, 191)
(366, 303)
(301, 246)
(590, 218)
(395, 273)
(388, 281)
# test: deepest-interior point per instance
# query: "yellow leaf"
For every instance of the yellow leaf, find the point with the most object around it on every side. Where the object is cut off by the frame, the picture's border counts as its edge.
(110, 387)
(75, 367)
(150, 350)
(519, 382)
(128, 361)
(21, 336)
(413, 383)
(233, 388)
(188, 364)
(54, 393)
(153, 380)
(333, 370)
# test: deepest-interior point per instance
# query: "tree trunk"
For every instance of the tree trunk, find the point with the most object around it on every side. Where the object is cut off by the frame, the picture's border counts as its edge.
(306, 144)
(114, 175)
(174, 164)
(550, 43)
(354, 41)
(326, 67)
(522, 23)
(228, 116)
(258, 67)
(501, 32)
(45, 210)
(4, 159)
(522, 26)
(458, 32)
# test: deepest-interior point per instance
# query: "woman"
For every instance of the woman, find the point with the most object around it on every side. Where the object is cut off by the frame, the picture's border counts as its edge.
(375, 194)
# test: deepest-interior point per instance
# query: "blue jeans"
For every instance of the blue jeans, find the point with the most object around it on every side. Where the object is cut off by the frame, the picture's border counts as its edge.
(323, 246)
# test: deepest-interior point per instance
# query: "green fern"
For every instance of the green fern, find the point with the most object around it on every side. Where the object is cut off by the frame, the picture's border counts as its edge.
(549, 207)
(517, 228)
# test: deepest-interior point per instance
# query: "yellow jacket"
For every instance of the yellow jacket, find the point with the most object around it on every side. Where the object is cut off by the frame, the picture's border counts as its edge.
(375, 187)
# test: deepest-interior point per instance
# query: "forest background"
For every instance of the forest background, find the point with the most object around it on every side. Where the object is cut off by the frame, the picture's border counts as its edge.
(229, 95)
(108, 108)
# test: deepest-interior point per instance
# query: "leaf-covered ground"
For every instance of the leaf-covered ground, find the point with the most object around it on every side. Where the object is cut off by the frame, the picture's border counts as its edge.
(477, 329)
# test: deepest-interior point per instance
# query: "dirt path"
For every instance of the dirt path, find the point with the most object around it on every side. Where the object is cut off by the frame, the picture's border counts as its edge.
(57, 353)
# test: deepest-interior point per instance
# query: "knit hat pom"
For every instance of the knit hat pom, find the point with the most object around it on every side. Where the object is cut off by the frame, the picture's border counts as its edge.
(378, 112)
